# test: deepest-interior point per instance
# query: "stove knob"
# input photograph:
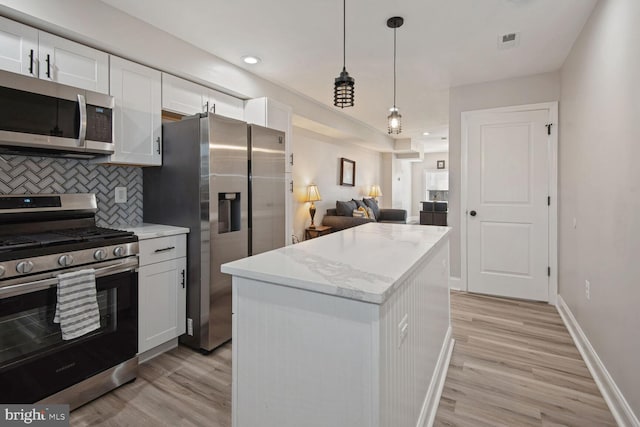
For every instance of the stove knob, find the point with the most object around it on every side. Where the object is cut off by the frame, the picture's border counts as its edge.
(2, 270)
(100, 254)
(65, 260)
(118, 251)
(24, 267)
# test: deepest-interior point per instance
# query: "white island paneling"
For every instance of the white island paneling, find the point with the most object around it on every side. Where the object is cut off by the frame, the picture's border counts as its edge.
(350, 329)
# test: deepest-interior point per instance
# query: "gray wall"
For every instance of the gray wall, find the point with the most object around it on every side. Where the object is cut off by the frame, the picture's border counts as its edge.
(518, 91)
(318, 161)
(600, 188)
(41, 175)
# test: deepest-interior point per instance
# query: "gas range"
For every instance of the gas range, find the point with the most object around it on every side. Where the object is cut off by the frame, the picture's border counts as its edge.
(42, 236)
(47, 233)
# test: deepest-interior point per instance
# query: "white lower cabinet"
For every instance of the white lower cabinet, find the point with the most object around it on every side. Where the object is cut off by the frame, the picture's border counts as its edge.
(162, 291)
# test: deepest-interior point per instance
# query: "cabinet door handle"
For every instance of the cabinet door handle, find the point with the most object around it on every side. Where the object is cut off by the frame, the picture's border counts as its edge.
(165, 249)
(48, 66)
(158, 141)
(182, 273)
(31, 61)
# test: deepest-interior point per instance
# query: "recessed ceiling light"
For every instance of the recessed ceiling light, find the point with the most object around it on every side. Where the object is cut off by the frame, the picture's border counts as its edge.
(252, 60)
(425, 133)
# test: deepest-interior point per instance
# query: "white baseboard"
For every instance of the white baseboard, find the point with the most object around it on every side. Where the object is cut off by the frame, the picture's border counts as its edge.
(432, 399)
(157, 351)
(618, 405)
(455, 283)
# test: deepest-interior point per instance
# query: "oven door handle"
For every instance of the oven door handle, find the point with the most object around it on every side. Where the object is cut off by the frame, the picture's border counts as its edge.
(38, 285)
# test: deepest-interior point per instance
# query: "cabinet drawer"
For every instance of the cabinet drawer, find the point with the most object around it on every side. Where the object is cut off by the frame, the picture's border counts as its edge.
(162, 249)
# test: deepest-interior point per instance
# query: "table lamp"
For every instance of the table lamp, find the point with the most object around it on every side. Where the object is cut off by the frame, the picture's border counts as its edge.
(313, 195)
(375, 192)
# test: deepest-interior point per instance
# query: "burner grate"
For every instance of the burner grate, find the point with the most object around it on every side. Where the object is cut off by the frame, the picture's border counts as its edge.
(17, 242)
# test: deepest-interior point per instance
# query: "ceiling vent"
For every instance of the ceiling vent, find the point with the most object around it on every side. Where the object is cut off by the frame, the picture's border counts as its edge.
(508, 41)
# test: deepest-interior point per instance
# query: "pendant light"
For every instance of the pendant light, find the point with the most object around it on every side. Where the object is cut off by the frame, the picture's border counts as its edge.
(395, 119)
(343, 85)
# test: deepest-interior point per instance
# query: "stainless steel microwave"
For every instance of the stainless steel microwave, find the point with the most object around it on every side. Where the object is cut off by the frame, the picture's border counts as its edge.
(47, 118)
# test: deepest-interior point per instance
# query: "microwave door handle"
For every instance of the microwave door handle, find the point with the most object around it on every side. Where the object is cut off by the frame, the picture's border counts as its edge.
(82, 132)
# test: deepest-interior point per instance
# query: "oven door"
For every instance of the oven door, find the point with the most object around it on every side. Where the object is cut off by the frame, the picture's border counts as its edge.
(34, 360)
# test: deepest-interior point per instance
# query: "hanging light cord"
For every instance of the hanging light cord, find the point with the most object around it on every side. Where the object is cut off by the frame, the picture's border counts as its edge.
(394, 68)
(344, 34)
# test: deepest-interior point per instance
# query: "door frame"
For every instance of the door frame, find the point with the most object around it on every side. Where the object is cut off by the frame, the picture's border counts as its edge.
(552, 152)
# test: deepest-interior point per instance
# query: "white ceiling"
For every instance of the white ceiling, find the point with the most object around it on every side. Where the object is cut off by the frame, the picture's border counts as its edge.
(443, 43)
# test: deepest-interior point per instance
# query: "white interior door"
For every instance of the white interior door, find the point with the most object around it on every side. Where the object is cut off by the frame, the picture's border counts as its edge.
(507, 208)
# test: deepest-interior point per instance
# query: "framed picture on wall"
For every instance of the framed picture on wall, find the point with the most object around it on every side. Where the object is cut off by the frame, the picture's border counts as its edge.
(440, 164)
(347, 172)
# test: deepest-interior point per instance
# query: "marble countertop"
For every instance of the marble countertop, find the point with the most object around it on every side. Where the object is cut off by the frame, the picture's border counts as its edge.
(151, 231)
(364, 263)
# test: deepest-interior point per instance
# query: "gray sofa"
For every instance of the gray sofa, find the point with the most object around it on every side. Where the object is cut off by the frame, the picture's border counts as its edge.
(340, 222)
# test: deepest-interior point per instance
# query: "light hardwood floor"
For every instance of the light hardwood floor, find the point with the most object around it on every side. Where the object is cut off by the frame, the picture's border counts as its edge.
(514, 364)
(177, 388)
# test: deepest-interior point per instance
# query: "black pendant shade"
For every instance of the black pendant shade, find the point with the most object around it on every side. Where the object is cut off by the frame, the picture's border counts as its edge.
(343, 90)
(344, 83)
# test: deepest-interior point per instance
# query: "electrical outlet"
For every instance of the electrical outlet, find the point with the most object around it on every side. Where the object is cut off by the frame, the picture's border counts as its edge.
(190, 326)
(587, 289)
(121, 194)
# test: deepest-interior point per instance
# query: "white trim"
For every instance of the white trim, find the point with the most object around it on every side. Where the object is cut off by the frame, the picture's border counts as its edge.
(455, 283)
(553, 209)
(553, 189)
(618, 405)
(432, 399)
(157, 351)
(464, 167)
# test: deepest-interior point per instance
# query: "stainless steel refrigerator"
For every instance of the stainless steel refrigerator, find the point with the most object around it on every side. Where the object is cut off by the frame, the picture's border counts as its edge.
(225, 180)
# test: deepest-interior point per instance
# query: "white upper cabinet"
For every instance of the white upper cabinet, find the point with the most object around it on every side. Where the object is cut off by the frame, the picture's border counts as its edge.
(187, 98)
(272, 114)
(73, 64)
(225, 105)
(18, 48)
(137, 93)
(28, 51)
(182, 96)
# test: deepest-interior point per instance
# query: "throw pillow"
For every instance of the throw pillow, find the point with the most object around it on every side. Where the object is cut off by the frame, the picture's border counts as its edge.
(357, 213)
(374, 207)
(359, 203)
(364, 211)
(345, 208)
(370, 213)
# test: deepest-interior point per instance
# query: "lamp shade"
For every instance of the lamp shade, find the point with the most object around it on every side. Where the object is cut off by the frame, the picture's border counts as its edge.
(375, 191)
(313, 194)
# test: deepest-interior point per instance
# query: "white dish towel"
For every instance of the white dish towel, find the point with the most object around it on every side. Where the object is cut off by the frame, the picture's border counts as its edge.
(77, 307)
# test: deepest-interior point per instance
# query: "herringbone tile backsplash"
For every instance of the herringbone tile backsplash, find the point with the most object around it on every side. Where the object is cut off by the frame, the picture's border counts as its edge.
(41, 175)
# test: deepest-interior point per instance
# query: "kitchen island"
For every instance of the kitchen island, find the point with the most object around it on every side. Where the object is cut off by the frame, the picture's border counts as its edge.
(349, 329)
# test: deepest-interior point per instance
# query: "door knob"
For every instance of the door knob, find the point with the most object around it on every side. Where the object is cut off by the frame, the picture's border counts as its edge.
(473, 213)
